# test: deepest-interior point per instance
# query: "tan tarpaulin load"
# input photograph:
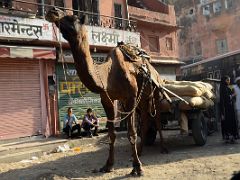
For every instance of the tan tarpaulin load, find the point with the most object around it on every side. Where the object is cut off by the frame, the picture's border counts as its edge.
(189, 88)
(184, 90)
(197, 94)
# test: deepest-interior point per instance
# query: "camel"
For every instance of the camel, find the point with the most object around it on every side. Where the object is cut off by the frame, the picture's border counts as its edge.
(116, 79)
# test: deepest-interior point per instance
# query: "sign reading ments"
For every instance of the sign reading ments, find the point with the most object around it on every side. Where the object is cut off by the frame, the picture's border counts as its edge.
(100, 36)
(18, 27)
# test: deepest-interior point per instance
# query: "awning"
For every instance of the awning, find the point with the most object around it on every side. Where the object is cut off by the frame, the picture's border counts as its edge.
(156, 24)
(166, 62)
(218, 57)
(27, 52)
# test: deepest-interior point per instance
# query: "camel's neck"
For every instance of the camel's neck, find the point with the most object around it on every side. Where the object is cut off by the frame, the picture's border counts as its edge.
(84, 65)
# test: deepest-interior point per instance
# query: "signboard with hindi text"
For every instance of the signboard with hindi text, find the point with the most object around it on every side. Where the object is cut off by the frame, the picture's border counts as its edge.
(25, 28)
(73, 93)
(100, 36)
(68, 57)
(110, 37)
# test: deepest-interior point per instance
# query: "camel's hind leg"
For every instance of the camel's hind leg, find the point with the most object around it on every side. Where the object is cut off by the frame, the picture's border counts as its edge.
(109, 109)
(143, 130)
(132, 136)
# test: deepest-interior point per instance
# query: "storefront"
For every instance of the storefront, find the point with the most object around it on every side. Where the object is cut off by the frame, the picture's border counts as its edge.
(23, 90)
(71, 91)
(167, 68)
(27, 87)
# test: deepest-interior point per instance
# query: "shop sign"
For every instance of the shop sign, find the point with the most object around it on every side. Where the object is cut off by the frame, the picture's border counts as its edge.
(110, 37)
(100, 36)
(26, 28)
(68, 57)
(73, 93)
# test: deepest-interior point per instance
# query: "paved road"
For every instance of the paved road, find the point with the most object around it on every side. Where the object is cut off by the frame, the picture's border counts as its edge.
(215, 160)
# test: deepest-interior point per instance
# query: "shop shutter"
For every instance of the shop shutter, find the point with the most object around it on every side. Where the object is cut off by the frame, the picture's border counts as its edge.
(20, 107)
(72, 93)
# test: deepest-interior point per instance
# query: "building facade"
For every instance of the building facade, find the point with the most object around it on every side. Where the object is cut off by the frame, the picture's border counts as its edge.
(27, 65)
(209, 32)
(38, 80)
(156, 22)
(107, 25)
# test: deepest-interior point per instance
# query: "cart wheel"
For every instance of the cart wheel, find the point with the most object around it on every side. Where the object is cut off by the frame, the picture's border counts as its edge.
(199, 129)
(151, 136)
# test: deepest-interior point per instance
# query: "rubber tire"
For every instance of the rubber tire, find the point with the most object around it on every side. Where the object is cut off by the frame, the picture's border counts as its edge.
(151, 136)
(199, 129)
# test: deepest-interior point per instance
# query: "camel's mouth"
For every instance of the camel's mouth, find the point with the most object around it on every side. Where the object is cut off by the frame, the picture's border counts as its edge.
(54, 15)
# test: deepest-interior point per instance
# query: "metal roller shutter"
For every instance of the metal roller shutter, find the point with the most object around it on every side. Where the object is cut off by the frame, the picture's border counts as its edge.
(20, 107)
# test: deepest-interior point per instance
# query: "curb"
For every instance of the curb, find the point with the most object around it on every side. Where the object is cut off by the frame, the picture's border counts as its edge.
(15, 152)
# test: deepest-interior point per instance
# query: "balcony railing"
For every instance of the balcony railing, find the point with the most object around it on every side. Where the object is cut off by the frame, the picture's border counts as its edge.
(110, 22)
(93, 19)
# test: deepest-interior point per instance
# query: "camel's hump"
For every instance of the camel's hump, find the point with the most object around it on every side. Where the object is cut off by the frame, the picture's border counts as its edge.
(133, 53)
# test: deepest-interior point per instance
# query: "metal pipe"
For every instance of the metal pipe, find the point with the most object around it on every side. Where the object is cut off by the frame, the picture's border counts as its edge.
(127, 9)
(128, 17)
(41, 7)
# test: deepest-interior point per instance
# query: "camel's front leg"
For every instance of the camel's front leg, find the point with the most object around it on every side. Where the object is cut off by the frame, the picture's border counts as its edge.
(132, 136)
(109, 109)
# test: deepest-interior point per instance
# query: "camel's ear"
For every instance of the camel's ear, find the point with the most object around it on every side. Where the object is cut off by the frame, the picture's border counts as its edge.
(83, 19)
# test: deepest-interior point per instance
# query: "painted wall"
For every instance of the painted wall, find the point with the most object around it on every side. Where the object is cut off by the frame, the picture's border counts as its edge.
(206, 28)
(146, 31)
(106, 7)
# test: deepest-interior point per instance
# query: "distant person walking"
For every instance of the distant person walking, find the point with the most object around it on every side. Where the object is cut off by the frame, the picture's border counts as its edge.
(237, 103)
(228, 120)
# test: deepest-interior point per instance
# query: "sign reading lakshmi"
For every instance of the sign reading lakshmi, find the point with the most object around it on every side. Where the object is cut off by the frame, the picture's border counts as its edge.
(110, 37)
(100, 36)
(18, 27)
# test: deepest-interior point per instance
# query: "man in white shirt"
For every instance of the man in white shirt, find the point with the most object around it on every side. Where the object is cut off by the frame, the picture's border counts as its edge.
(90, 121)
(70, 123)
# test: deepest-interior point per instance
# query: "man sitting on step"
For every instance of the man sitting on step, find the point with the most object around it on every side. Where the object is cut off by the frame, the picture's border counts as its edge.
(70, 124)
(90, 121)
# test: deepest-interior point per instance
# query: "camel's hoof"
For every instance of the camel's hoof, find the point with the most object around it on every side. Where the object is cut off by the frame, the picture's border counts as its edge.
(164, 150)
(137, 172)
(106, 169)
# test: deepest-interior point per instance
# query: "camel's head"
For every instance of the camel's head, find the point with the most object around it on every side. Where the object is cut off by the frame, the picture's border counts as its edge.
(69, 25)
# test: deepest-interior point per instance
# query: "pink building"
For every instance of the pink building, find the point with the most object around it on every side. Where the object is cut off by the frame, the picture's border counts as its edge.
(36, 86)
(209, 28)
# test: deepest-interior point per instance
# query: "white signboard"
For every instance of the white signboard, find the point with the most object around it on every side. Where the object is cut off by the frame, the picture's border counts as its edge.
(110, 37)
(98, 58)
(17, 27)
(100, 36)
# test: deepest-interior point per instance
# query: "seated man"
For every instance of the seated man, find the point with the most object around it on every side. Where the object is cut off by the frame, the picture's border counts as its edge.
(69, 127)
(90, 121)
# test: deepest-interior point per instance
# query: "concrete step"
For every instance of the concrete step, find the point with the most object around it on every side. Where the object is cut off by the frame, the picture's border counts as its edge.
(14, 153)
(19, 147)
(22, 139)
(18, 156)
(17, 151)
